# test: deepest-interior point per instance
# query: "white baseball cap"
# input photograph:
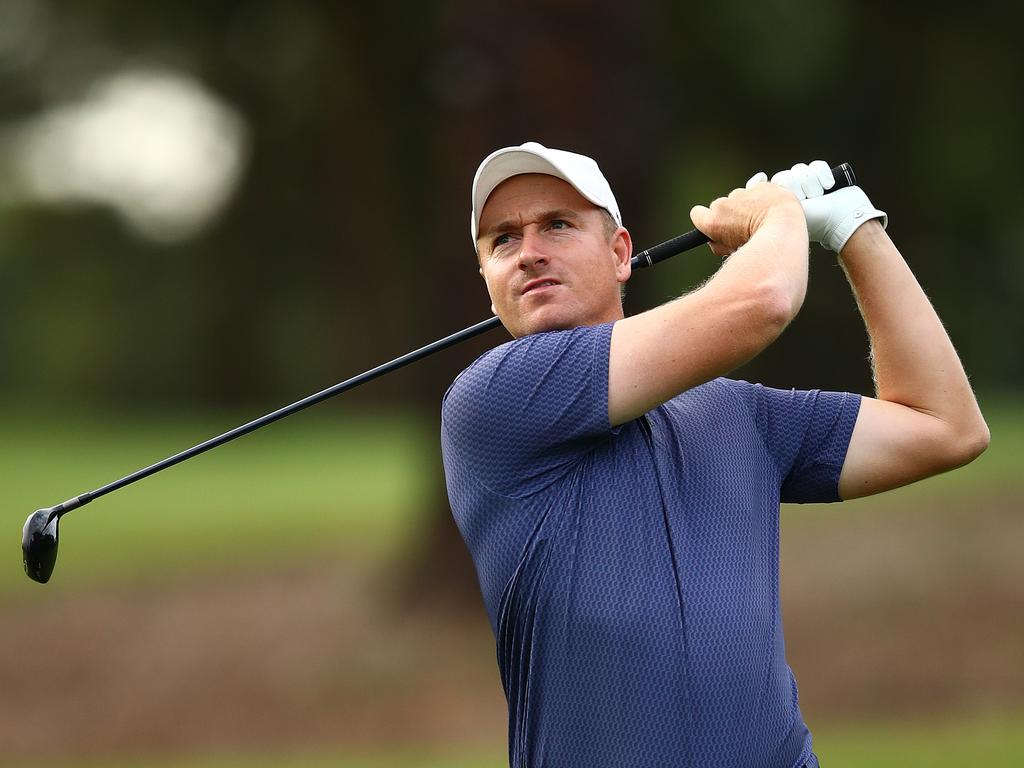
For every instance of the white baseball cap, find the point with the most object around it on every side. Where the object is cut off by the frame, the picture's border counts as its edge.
(579, 170)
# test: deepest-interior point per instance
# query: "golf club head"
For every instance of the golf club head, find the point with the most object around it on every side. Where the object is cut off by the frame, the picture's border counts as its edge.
(39, 544)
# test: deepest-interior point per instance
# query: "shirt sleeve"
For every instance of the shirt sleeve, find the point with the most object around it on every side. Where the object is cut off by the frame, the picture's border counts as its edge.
(527, 411)
(807, 433)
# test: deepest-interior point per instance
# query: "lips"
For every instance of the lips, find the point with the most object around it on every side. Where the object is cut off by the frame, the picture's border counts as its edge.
(539, 283)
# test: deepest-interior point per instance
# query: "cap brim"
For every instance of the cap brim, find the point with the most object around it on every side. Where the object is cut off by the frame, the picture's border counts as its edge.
(506, 163)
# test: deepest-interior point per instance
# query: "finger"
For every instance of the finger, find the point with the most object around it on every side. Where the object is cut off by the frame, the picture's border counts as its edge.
(719, 250)
(789, 181)
(809, 183)
(757, 178)
(824, 173)
(700, 215)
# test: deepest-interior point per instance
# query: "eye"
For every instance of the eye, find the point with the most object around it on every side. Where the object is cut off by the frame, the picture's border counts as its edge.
(560, 224)
(501, 243)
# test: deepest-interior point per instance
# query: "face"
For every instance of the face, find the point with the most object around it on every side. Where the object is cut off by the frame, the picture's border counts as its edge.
(547, 258)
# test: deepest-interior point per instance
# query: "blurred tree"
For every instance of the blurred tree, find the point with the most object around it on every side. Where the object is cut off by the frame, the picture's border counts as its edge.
(346, 243)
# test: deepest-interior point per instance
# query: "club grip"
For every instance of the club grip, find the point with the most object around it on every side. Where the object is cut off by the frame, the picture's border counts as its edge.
(844, 177)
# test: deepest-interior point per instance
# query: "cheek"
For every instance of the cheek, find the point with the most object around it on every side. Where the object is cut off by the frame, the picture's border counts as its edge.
(496, 283)
(601, 274)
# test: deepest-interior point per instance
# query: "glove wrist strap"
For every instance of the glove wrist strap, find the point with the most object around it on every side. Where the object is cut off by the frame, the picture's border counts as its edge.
(837, 236)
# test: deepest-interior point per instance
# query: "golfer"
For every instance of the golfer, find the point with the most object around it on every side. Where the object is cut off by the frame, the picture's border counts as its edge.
(620, 497)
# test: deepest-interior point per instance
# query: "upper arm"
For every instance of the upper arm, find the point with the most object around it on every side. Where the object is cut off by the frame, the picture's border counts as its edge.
(806, 435)
(894, 444)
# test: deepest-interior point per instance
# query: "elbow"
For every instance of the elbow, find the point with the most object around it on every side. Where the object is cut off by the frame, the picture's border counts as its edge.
(779, 304)
(977, 441)
(967, 444)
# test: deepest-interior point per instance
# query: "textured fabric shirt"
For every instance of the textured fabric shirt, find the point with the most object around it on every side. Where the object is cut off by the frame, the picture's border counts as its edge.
(631, 573)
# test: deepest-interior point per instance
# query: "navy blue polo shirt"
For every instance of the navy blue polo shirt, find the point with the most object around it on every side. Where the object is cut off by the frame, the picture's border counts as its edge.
(631, 573)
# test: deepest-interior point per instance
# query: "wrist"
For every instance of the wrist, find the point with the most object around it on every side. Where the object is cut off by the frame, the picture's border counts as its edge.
(788, 214)
(867, 235)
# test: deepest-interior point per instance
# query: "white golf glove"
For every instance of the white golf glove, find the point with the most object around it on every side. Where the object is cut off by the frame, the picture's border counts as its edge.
(831, 218)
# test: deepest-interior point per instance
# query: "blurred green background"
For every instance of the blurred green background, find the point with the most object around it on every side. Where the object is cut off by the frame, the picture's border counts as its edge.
(208, 210)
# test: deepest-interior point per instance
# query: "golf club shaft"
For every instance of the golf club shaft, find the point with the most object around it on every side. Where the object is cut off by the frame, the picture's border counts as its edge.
(288, 410)
(685, 242)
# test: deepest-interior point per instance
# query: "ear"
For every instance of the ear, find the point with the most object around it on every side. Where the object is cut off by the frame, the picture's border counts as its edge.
(481, 271)
(622, 252)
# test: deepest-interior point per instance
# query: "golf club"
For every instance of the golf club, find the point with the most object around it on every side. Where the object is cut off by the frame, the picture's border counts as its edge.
(39, 536)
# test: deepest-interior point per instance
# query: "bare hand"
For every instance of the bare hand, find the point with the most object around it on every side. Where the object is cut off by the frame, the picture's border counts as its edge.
(731, 221)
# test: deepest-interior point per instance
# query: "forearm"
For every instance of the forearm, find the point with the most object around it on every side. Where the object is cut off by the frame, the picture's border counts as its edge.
(775, 257)
(914, 361)
(707, 333)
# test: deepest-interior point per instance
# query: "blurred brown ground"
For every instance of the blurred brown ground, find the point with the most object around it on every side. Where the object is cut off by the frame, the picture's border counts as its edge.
(888, 615)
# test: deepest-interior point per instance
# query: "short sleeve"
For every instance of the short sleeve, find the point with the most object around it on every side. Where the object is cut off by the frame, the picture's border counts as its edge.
(807, 433)
(525, 412)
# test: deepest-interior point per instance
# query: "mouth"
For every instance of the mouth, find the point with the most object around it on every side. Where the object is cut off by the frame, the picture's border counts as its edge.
(539, 285)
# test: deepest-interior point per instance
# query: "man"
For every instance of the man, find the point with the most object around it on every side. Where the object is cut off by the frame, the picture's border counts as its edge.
(620, 498)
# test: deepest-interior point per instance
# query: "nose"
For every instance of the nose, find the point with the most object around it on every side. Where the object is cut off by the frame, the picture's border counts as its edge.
(531, 251)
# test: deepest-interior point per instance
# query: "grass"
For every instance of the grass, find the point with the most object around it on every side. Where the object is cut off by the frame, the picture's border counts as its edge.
(344, 484)
(340, 484)
(406, 759)
(390, 760)
(995, 741)
(337, 483)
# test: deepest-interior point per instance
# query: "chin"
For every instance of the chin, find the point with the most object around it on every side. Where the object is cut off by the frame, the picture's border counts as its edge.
(551, 321)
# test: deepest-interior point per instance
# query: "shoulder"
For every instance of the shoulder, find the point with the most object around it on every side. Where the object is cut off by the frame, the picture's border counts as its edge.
(523, 413)
(530, 358)
(486, 362)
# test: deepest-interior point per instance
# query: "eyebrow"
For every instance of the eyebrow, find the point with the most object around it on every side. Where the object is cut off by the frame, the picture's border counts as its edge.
(509, 224)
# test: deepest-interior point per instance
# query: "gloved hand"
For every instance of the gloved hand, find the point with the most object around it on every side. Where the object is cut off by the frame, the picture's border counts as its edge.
(831, 218)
